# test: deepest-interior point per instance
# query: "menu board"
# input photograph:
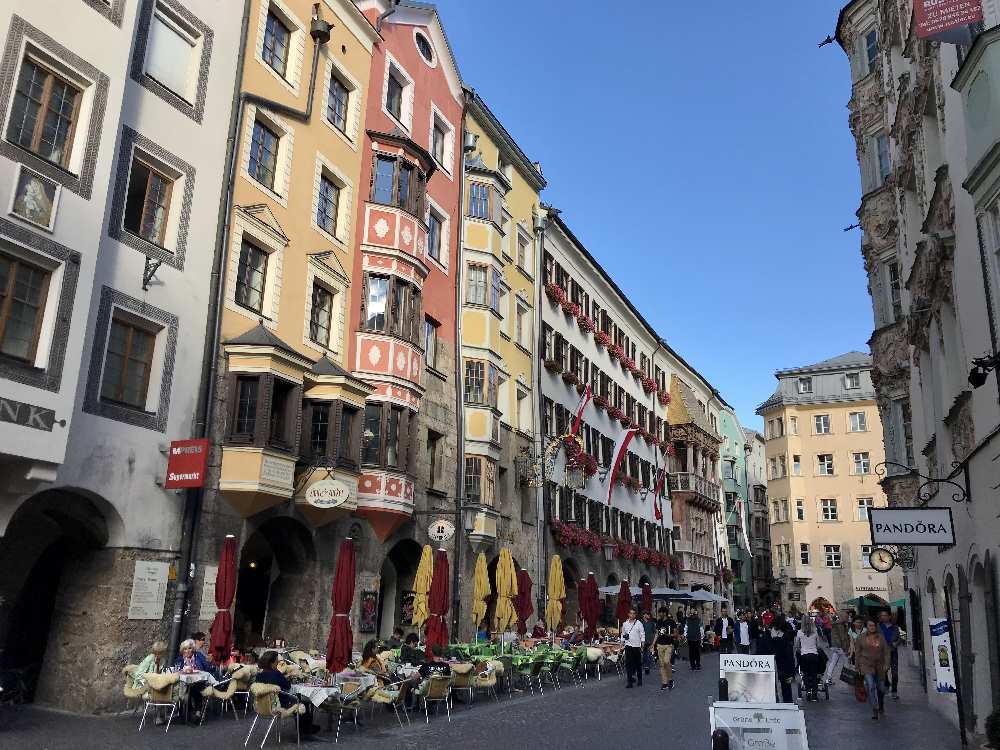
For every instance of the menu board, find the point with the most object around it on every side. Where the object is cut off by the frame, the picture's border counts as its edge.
(149, 590)
(760, 726)
(208, 608)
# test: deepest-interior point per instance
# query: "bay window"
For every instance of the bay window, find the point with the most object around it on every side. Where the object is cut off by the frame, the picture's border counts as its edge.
(393, 305)
(330, 431)
(385, 436)
(480, 480)
(397, 182)
(264, 412)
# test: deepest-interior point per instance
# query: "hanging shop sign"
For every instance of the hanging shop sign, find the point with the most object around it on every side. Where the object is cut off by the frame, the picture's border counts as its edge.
(917, 526)
(749, 677)
(187, 461)
(753, 726)
(944, 669)
(441, 530)
(946, 20)
(328, 494)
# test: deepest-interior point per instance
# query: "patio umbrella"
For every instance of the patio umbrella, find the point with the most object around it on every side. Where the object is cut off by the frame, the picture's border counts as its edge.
(437, 600)
(421, 586)
(557, 592)
(480, 590)
(594, 607)
(504, 616)
(225, 589)
(624, 602)
(647, 598)
(522, 602)
(340, 644)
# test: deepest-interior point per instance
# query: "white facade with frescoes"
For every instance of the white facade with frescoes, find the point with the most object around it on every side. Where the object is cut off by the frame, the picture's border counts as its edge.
(115, 117)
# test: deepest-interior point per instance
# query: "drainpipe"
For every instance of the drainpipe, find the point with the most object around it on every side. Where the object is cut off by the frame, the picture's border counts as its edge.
(468, 146)
(656, 453)
(541, 222)
(385, 14)
(666, 466)
(320, 32)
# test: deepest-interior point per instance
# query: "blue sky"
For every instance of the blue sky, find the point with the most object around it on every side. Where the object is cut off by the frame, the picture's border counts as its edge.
(701, 152)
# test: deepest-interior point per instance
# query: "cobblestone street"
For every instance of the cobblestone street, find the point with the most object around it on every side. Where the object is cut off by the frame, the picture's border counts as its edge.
(600, 715)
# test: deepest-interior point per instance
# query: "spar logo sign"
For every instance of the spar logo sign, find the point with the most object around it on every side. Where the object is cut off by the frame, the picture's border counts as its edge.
(187, 461)
(916, 526)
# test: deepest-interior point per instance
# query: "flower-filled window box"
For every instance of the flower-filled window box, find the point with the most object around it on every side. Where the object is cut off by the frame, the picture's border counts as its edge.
(663, 397)
(570, 378)
(634, 425)
(616, 352)
(629, 364)
(553, 366)
(626, 550)
(634, 484)
(602, 339)
(626, 422)
(555, 293)
(648, 384)
(601, 403)
(570, 308)
(642, 554)
(585, 323)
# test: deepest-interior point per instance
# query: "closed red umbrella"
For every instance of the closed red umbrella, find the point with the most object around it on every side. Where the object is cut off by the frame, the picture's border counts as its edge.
(647, 598)
(522, 602)
(624, 602)
(594, 606)
(340, 644)
(221, 631)
(437, 604)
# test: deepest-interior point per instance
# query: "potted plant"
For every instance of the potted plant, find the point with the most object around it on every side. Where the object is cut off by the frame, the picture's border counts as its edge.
(570, 308)
(602, 339)
(663, 397)
(600, 402)
(570, 378)
(553, 366)
(555, 293)
(585, 323)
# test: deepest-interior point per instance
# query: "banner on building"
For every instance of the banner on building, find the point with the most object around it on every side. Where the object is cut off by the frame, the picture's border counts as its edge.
(187, 461)
(947, 20)
(944, 661)
(368, 614)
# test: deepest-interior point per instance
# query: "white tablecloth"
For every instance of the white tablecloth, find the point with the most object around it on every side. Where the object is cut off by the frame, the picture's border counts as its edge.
(190, 678)
(316, 694)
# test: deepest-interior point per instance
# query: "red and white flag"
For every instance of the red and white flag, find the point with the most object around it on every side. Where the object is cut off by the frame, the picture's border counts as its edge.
(584, 400)
(657, 510)
(743, 523)
(618, 454)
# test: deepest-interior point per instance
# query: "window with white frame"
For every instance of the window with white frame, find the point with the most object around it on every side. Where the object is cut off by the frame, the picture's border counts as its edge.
(173, 52)
(148, 199)
(338, 104)
(866, 551)
(824, 464)
(523, 410)
(332, 200)
(479, 200)
(23, 292)
(796, 465)
(793, 425)
(805, 385)
(438, 232)
(800, 510)
(832, 554)
(321, 314)
(263, 154)
(803, 553)
(858, 422)
(397, 93)
(862, 462)
(523, 251)
(327, 204)
(864, 503)
(251, 277)
(442, 140)
(45, 111)
(522, 325)
(434, 235)
(821, 423)
(476, 277)
(430, 342)
(828, 509)
(852, 380)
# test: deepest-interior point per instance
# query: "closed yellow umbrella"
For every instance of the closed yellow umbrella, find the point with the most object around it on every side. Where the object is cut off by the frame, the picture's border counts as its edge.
(556, 593)
(422, 585)
(480, 590)
(505, 616)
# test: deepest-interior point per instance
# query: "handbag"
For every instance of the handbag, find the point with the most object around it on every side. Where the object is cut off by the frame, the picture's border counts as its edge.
(860, 693)
(849, 674)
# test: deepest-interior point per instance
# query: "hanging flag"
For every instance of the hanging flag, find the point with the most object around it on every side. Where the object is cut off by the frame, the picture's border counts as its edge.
(743, 524)
(657, 510)
(617, 455)
(584, 400)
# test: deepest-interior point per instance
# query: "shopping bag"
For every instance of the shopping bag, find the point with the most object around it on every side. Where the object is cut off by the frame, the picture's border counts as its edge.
(860, 694)
(849, 674)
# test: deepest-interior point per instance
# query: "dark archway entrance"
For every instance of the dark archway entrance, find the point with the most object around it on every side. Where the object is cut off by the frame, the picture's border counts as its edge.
(277, 590)
(571, 607)
(52, 547)
(395, 596)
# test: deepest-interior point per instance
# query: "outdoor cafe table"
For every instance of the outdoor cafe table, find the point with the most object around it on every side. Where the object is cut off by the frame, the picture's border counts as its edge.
(193, 678)
(317, 694)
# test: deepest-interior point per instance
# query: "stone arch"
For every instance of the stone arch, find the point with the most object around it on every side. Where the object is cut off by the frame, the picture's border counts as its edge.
(963, 632)
(982, 627)
(571, 577)
(396, 579)
(58, 556)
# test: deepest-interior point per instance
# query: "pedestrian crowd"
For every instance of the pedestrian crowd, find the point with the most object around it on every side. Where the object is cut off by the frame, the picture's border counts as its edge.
(816, 646)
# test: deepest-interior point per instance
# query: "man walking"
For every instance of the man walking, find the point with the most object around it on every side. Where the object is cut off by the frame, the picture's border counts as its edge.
(745, 635)
(890, 631)
(633, 636)
(724, 627)
(649, 631)
(694, 631)
(666, 639)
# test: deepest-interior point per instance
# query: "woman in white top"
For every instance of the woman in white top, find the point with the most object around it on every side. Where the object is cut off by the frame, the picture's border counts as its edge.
(806, 647)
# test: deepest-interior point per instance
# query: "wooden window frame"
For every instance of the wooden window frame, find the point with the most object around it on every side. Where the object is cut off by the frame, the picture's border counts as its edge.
(409, 327)
(43, 109)
(416, 193)
(255, 152)
(263, 284)
(151, 172)
(402, 437)
(7, 301)
(132, 325)
(313, 321)
(332, 99)
(270, 57)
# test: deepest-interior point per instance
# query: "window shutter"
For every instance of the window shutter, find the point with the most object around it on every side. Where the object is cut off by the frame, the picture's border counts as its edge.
(408, 106)
(305, 434)
(354, 113)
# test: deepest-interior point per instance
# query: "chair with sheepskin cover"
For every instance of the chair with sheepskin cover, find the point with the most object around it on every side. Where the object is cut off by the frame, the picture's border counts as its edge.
(267, 704)
(160, 693)
(131, 692)
(242, 675)
(486, 676)
(462, 676)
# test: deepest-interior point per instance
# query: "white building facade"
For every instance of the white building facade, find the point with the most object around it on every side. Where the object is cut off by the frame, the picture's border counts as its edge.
(925, 118)
(112, 164)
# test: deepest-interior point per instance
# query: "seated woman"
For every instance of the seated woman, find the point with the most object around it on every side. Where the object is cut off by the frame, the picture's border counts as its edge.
(153, 662)
(235, 657)
(483, 634)
(268, 674)
(370, 662)
(409, 653)
(539, 630)
(193, 660)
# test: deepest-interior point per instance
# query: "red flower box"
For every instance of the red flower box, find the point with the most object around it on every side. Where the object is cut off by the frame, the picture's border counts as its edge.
(570, 378)
(648, 384)
(555, 293)
(585, 323)
(663, 397)
(570, 308)
(602, 339)
(601, 403)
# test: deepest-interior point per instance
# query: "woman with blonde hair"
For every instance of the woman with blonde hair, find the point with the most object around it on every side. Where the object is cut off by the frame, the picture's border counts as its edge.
(806, 647)
(153, 662)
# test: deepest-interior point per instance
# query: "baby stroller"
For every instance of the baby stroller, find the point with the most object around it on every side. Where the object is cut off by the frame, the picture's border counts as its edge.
(821, 685)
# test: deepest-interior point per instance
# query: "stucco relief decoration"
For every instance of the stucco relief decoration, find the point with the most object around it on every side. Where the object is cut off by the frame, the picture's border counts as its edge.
(371, 484)
(374, 355)
(401, 362)
(381, 228)
(407, 235)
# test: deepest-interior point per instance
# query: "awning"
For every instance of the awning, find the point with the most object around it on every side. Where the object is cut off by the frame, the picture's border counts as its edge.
(863, 602)
(662, 592)
(706, 596)
(899, 603)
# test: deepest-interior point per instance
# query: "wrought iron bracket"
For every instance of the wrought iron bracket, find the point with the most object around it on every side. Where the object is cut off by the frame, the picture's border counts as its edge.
(152, 266)
(905, 554)
(320, 463)
(929, 488)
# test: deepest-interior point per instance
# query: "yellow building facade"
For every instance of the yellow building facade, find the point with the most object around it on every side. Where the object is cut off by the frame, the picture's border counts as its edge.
(823, 442)
(498, 311)
(285, 396)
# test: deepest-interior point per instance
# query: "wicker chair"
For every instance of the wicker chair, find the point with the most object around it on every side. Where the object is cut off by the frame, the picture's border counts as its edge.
(267, 704)
(462, 678)
(486, 677)
(349, 699)
(224, 696)
(438, 690)
(160, 693)
(131, 692)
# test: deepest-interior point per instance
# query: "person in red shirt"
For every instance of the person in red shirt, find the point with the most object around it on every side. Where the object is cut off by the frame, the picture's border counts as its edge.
(767, 617)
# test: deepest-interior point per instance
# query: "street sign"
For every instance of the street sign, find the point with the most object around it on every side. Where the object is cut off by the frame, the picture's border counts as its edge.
(441, 530)
(187, 461)
(328, 494)
(925, 527)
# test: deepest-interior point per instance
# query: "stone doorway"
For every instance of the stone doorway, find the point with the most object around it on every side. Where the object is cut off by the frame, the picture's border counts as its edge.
(395, 596)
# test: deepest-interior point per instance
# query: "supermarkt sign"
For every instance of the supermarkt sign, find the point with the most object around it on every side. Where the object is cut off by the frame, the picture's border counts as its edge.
(916, 526)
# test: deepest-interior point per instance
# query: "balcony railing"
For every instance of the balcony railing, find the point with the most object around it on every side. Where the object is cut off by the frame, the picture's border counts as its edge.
(687, 482)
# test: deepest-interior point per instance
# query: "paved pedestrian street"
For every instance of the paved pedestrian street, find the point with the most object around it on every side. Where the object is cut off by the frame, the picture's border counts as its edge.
(599, 715)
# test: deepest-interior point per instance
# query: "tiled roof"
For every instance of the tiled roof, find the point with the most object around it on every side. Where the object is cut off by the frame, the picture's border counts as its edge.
(684, 409)
(260, 336)
(843, 362)
(326, 366)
